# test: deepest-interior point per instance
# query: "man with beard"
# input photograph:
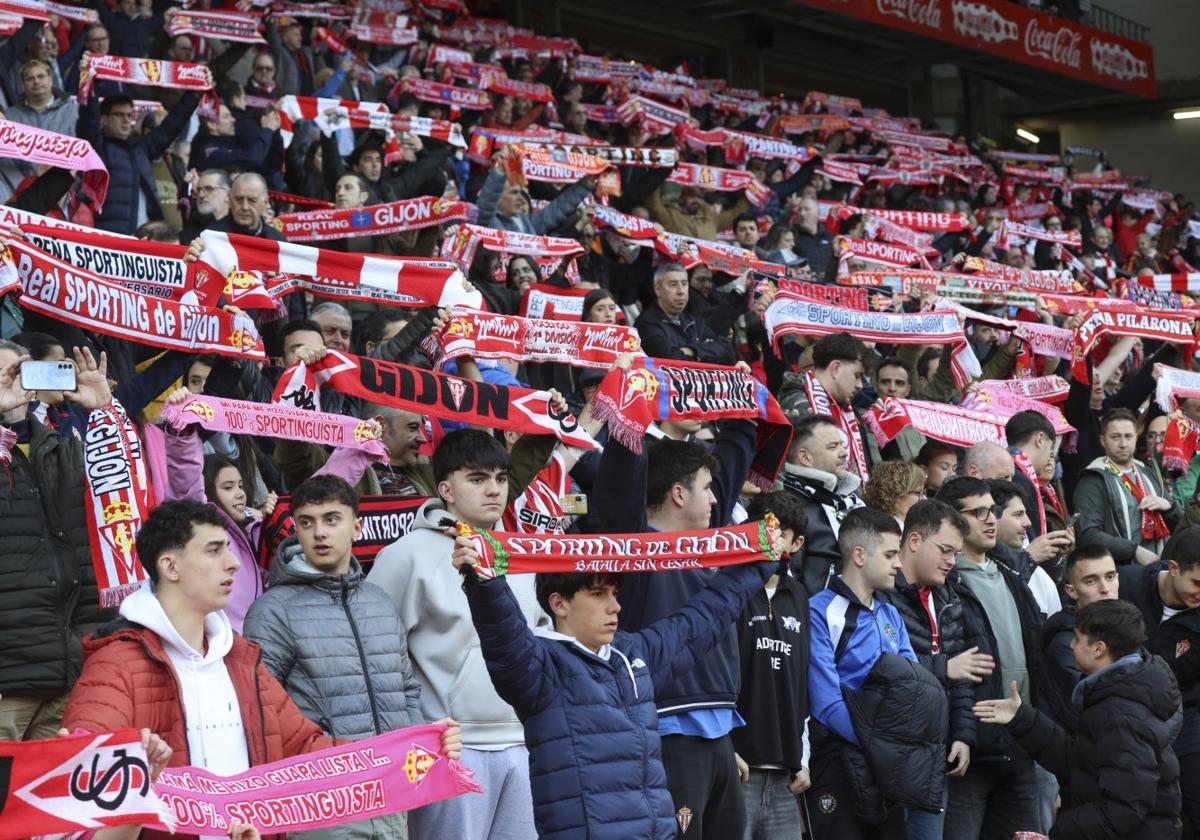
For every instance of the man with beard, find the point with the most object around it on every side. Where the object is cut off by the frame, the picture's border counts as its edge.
(211, 203)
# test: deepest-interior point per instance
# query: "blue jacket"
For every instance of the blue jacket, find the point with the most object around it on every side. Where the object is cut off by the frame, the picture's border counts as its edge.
(647, 597)
(847, 639)
(595, 760)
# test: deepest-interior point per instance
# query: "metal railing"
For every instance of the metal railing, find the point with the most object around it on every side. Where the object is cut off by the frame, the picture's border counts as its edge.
(1115, 24)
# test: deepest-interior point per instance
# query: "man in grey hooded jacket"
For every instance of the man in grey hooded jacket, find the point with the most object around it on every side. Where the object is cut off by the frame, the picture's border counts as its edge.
(334, 641)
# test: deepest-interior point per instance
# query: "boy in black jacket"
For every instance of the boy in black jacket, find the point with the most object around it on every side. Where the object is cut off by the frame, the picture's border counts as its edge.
(1122, 775)
(773, 636)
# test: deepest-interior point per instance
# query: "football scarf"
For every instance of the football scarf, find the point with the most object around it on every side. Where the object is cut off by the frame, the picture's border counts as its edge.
(447, 95)
(1180, 443)
(468, 238)
(484, 335)
(1184, 283)
(600, 70)
(1044, 490)
(543, 301)
(722, 180)
(1170, 327)
(445, 397)
(793, 317)
(225, 26)
(83, 782)
(947, 423)
(285, 267)
(393, 772)
(867, 250)
(654, 117)
(917, 220)
(37, 145)
(374, 220)
(388, 36)
(514, 554)
(845, 297)
(275, 421)
(384, 518)
(157, 269)
(535, 163)
(628, 401)
(804, 123)
(1153, 526)
(119, 499)
(69, 12)
(820, 403)
(178, 75)
(493, 80)
(1051, 389)
(1008, 228)
(87, 300)
(332, 114)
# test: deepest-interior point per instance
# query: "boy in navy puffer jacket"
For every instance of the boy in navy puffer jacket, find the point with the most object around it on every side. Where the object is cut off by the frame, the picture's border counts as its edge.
(585, 692)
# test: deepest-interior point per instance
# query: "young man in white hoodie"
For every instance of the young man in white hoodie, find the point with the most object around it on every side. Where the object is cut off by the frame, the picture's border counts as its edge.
(172, 664)
(471, 470)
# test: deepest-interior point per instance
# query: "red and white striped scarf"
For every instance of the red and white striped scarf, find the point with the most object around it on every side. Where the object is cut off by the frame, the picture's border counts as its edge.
(1153, 526)
(1184, 283)
(822, 404)
(119, 498)
(542, 301)
(287, 266)
(461, 247)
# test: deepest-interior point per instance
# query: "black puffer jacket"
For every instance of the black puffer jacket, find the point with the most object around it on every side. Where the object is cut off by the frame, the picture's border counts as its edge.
(48, 595)
(827, 499)
(903, 756)
(1122, 774)
(1058, 673)
(906, 598)
(992, 742)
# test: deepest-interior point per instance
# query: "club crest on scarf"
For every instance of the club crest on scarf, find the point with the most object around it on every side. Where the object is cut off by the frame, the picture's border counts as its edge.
(418, 763)
(639, 385)
(151, 70)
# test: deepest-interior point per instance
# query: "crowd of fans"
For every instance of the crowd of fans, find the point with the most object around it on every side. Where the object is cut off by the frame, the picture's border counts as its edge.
(967, 636)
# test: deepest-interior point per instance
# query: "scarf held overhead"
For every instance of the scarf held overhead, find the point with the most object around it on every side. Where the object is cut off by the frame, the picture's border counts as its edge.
(179, 75)
(513, 554)
(83, 298)
(657, 389)
(375, 220)
(484, 335)
(794, 317)
(37, 145)
(446, 397)
(273, 420)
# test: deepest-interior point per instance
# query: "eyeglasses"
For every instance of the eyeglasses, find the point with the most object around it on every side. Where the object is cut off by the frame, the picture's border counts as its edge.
(947, 551)
(981, 513)
(264, 68)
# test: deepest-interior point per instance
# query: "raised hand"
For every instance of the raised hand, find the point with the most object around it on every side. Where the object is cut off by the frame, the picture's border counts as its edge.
(91, 380)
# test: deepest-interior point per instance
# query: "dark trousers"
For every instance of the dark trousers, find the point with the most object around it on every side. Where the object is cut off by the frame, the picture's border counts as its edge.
(832, 803)
(703, 780)
(993, 801)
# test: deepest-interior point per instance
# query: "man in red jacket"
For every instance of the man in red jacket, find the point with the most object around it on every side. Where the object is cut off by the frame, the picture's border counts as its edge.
(172, 664)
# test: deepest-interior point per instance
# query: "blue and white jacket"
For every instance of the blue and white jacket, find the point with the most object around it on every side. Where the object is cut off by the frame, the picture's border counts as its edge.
(847, 639)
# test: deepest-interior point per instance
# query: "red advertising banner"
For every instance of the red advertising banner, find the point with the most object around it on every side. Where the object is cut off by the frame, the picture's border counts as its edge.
(1014, 32)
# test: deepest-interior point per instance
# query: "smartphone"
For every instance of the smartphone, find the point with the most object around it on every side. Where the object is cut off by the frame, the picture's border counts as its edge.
(48, 376)
(1071, 522)
(574, 504)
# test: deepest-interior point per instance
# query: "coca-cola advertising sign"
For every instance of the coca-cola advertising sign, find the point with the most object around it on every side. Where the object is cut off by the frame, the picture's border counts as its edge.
(1016, 33)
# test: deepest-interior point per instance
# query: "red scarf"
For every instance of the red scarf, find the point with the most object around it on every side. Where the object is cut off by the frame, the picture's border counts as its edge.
(511, 554)
(1154, 527)
(375, 220)
(119, 499)
(442, 396)
(1045, 492)
(657, 389)
(820, 402)
(485, 335)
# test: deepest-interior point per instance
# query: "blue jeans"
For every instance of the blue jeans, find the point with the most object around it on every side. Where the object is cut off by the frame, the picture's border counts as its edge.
(922, 825)
(772, 811)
